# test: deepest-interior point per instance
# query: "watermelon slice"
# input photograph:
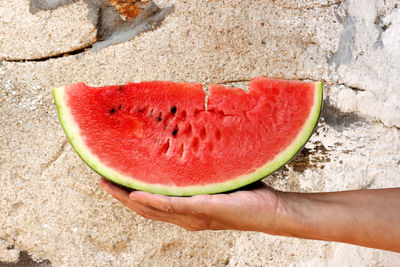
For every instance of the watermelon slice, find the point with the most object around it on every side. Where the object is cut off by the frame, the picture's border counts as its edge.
(160, 137)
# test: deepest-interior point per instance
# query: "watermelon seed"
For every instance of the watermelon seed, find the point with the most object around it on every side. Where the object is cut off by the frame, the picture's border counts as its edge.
(159, 119)
(174, 132)
(120, 88)
(119, 107)
(112, 111)
(173, 110)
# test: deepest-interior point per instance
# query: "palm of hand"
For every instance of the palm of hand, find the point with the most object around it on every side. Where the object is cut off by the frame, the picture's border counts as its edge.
(253, 210)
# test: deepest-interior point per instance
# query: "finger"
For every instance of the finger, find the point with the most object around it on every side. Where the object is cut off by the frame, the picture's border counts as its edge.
(197, 205)
(123, 196)
(117, 192)
(148, 212)
(154, 200)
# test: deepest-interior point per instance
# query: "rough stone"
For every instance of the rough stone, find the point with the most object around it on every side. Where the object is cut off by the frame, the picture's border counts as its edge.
(26, 36)
(367, 55)
(391, 35)
(51, 204)
(112, 25)
(347, 100)
(8, 252)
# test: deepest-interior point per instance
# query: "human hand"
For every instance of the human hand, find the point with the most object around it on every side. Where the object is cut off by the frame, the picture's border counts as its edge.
(254, 209)
(334, 216)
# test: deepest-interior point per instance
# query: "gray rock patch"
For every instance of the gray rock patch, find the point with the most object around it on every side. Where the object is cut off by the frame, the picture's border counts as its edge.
(344, 54)
(37, 5)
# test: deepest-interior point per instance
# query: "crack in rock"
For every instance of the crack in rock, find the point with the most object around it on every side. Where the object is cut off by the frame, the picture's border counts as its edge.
(112, 27)
(314, 6)
(69, 53)
(55, 157)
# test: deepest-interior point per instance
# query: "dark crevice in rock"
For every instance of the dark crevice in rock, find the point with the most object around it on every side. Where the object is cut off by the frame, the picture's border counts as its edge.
(69, 53)
(337, 119)
(357, 89)
(238, 83)
(26, 260)
(234, 81)
(314, 6)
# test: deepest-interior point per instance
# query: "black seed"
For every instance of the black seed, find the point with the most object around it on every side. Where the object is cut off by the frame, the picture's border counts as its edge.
(119, 107)
(159, 118)
(173, 109)
(112, 110)
(175, 132)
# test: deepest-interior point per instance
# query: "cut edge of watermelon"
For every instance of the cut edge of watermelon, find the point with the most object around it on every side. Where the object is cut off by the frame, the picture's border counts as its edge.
(72, 132)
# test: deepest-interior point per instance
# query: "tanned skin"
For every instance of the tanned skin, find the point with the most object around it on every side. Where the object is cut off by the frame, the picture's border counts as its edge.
(369, 218)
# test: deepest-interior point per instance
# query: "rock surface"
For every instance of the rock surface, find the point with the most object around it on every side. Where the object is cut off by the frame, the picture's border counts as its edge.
(51, 204)
(26, 36)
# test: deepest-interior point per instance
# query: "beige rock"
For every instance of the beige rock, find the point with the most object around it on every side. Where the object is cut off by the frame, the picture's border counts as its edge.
(52, 206)
(25, 36)
(8, 252)
(347, 100)
(368, 105)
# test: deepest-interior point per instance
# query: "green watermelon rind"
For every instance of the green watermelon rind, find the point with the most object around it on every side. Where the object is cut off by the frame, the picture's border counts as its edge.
(72, 131)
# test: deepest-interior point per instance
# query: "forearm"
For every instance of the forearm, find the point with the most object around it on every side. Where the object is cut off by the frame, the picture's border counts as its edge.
(368, 218)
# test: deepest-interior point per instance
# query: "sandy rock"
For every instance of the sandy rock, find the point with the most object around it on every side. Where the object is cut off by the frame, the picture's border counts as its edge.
(51, 204)
(8, 252)
(25, 36)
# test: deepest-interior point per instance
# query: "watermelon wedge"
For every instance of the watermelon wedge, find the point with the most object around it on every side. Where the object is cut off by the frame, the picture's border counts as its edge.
(163, 138)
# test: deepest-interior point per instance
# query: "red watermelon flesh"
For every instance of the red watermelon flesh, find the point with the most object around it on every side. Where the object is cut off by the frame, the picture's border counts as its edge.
(159, 137)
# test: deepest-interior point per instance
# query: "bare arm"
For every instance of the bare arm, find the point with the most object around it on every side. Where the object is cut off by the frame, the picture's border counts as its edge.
(368, 218)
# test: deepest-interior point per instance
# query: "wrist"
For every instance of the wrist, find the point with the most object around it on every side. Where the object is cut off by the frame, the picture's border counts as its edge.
(311, 216)
(289, 215)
